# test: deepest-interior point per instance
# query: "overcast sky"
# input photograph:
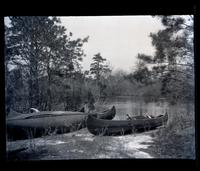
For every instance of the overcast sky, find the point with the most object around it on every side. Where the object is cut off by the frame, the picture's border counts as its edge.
(118, 38)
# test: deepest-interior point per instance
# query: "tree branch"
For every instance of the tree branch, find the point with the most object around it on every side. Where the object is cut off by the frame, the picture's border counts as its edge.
(187, 26)
(165, 63)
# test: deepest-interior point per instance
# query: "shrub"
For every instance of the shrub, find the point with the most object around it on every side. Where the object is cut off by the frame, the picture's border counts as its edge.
(177, 139)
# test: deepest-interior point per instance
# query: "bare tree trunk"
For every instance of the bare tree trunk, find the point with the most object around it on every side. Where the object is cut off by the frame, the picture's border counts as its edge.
(8, 91)
(33, 86)
(33, 79)
(49, 97)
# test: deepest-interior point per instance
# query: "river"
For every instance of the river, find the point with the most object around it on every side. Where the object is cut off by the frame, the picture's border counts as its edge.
(133, 106)
(137, 106)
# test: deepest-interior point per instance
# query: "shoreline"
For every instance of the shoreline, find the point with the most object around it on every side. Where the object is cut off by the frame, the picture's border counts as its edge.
(83, 145)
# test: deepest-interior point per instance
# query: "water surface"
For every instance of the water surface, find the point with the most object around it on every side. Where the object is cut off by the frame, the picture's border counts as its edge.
(137, 106)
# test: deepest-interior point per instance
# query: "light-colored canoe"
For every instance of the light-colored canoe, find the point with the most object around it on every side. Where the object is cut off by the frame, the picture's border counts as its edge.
(50, 122)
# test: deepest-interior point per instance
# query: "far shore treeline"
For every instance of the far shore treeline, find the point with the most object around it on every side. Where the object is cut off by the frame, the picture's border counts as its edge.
(43, 66)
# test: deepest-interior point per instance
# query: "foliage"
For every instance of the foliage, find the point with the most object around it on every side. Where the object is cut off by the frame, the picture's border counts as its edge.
(98, 67)
(173, 63)
(145, 58)
(99, 70)
(42, 48)
(177, 139)
(151, 92)
(120, 84)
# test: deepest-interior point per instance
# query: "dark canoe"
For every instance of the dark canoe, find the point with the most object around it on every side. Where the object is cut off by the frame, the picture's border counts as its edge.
(108, 114)
(121, 127)
(49, 122)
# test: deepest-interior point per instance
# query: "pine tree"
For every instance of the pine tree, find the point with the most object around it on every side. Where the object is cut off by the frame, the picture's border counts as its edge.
(98, 68)
(173, 62)
(41, 46)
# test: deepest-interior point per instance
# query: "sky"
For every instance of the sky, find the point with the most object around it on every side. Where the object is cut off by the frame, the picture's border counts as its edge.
(118, 38)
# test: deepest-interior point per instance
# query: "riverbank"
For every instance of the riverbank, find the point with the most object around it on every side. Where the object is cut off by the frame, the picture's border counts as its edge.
(174, 141)
(82, 145)
(173, 145)
(159, 144)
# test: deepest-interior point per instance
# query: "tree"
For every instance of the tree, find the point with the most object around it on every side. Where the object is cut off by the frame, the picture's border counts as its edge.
(27, 40)
(173, 62)
(142, 73)
(98, 68)
(41, 45)
(175, 49)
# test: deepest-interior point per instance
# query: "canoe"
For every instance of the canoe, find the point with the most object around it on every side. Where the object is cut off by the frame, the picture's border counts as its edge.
(50, 122)
(121, 127)
(108, 114)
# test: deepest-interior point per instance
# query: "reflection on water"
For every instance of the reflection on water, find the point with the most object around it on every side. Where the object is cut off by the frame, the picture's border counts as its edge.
(135, 106)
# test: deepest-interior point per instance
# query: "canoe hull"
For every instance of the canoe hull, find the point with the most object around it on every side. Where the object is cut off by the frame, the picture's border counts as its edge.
(47, 123)
(37, 127)
(116, 127)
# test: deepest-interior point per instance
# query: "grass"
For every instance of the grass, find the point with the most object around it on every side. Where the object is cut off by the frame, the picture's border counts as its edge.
(30, 128)
(77, 145)
(177, 139)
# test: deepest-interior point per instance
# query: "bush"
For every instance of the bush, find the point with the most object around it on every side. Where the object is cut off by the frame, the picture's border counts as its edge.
(177, 139)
